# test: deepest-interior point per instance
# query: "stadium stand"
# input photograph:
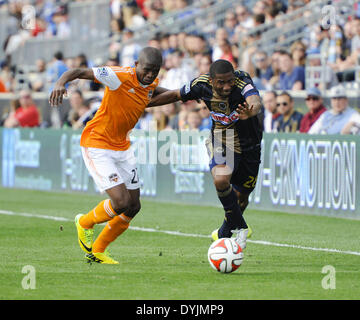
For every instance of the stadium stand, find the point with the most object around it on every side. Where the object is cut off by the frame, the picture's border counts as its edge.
(321, 37)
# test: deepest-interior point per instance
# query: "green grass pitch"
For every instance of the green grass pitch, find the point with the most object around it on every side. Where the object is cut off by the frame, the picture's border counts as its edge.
(160, 266)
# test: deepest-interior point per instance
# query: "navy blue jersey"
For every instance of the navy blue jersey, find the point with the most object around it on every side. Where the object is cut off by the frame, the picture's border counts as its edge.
(235, 134)
(291, 123)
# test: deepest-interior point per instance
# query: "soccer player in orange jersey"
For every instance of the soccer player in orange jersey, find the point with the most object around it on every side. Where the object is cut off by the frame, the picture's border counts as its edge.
(106, 147)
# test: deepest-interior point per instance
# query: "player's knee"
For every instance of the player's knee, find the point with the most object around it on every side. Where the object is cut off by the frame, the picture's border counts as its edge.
(121, 204)
(221, 183)
(133, 209)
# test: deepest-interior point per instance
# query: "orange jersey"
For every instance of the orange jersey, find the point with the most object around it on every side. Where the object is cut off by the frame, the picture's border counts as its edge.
(124, 101)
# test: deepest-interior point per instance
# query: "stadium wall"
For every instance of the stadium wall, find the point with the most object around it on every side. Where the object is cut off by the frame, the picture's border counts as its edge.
(299, 173)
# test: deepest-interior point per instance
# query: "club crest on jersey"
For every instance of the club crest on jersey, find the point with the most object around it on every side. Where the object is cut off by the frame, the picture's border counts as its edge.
(222, 106)
(113, 177)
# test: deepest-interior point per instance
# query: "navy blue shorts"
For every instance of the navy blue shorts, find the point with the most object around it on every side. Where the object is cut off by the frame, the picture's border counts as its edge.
(245, 166)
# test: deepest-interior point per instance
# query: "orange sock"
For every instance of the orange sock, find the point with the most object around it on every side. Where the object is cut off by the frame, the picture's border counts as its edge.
(111, 231)
(101, 213)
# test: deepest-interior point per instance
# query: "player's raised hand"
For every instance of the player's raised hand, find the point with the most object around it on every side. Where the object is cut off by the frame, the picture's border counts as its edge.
(57, 94)
(244, 110)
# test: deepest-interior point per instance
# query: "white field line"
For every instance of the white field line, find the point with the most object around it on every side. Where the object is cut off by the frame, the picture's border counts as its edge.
(177, 233)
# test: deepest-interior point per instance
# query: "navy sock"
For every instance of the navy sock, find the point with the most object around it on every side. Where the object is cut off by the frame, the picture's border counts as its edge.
(233, 214)
(225, 230)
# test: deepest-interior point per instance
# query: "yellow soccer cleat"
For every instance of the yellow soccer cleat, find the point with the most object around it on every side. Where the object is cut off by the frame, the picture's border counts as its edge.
(250, 232)
(101, 257)
(215, 234)
(85, 236)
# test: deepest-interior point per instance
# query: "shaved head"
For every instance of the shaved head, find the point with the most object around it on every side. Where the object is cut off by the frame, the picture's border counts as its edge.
(150, 55)
(148, 65)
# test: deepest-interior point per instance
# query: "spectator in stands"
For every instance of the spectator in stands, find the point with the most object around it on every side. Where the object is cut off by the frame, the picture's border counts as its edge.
(25, 115)
(348, 35)
(113, 61)
(259, 19)
(345, 69)
(165, 46)
(195, 44)
(2, 87)
(193, 120)
(154, 14)
(298, 53)
(81, 61)
(78, 109)
(14, 105)
(271, 113)
(276, 4)
(182, 124)
(230, 22)
(226, 51)
(259, 7)
(322, 81)
(160, 120)
(60, 18)
(116, 27)
(322, 39)
(56, 68)
(336, 39)
(173, 42)
(130, 52)
(171, 112)
(7, 74)
(274, 81)
(271, 12)
(334, 120)
(353, 125)
(245, 21)
(263, 69)
(204, 112)
(315, 104)
(220, 35)
(292, 77)
(289, 119)
(204, 64)
(145, 121)
(179, 73)
(38, 78)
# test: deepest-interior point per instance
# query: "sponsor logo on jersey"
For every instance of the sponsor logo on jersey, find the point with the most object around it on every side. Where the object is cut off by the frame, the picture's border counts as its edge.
(223, 118)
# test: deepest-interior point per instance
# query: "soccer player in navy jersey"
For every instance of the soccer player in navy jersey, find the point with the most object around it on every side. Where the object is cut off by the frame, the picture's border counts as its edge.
(235, 143)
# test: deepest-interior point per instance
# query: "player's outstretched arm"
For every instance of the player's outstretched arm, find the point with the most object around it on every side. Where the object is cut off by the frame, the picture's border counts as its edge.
(250, 108)
(56, 96)
(165, 97)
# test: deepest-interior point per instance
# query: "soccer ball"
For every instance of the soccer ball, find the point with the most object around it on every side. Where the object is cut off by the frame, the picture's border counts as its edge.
(225, 255)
